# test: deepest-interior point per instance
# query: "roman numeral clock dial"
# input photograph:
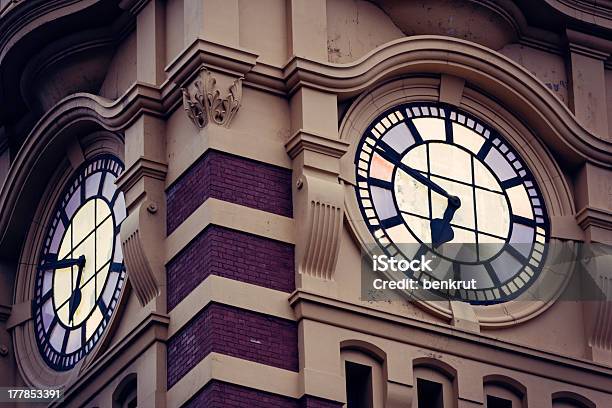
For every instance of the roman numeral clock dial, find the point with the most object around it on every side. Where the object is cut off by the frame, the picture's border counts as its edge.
(432, 179)
(80, 272)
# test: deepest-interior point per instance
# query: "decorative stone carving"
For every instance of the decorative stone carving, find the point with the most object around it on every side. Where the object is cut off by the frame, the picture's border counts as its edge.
(204, 104)
(323, 243)
(318, 204)
(142, 249)
(597, 307)
(143, 278)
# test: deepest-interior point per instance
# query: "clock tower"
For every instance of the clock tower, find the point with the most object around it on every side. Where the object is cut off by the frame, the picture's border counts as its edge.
(306, 203)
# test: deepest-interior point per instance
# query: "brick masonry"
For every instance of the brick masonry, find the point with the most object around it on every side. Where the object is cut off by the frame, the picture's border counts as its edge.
(217, 394)
(231, 254)
(233, 332)
(229, 178)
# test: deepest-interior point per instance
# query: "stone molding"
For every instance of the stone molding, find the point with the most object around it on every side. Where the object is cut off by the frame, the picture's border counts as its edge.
(204, 104)
(356, 322)
(485, 68)
(594, 47)
(217, 289)
(594, 217)
(233, 370)
(491, 71)
(229, 60)
(151, 328)
(303, 140)
(589, 12)
(232, 216)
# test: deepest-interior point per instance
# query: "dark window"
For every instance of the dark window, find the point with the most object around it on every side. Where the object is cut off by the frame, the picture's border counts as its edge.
(430, 394)
(358, 385)
(126, 392)
(133, 403)
(496, 402)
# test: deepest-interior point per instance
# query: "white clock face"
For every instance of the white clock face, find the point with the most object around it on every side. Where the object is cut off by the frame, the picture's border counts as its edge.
(81, 272)
(433, 179)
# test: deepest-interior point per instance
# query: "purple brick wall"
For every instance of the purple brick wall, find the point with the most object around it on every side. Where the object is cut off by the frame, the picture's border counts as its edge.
(314, 402)
(231, 254)
(234, 332)
(222, 395)
(229, 178)
(218, 394)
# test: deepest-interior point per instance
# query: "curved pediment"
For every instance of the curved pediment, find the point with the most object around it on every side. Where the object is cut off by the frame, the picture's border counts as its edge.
(497, 75)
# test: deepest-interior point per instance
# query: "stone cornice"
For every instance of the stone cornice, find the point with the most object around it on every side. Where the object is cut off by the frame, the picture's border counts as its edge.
(461, 343)
(142, 168)
(589, 12)
(302, 140)
(485, 68)
(594, 217)
(151, 328)
(588, 45)
(218, 57)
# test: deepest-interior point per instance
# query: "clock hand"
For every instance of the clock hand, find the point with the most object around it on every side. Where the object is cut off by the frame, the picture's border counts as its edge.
(64, 263)
(441, 231)
(75, 297)
(395, 157)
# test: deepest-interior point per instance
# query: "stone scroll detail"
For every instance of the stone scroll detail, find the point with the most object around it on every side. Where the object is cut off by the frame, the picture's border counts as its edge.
(143, 229)
(142, 277)
(203, 102)
(323, 243)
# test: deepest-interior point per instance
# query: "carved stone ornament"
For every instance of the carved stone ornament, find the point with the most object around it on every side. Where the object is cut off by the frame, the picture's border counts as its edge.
(203, 103)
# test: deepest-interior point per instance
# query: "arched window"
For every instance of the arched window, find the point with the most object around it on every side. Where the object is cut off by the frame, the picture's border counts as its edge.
(125, 395)
(363, 373)
(503, 392)
(435, 384)
(570, 400)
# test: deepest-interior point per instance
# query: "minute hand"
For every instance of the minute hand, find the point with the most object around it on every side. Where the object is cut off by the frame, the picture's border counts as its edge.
(391, 154)
(64, 263)
(424, 180)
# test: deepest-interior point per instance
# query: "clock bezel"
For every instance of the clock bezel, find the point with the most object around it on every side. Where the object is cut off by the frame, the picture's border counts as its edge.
(490, 135)
(536, 156)
(33, 369)
(42, 337)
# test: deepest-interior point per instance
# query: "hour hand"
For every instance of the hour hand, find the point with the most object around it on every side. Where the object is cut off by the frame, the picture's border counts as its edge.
(65, 263)
(441, 231)
(75, 298)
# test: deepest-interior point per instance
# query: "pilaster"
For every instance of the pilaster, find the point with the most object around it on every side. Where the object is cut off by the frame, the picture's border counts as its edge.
(318, 197)
(588, 89)
(141, 232)
(320, 362)
(307, 29)
(212, 20)
(593, 197)
(150, 39)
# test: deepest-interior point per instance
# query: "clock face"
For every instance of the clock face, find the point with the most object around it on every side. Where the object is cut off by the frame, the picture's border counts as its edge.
(80, 271)
(435, 181)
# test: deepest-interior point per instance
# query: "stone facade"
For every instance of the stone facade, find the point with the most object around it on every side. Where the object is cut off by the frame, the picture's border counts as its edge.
(238, 123)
